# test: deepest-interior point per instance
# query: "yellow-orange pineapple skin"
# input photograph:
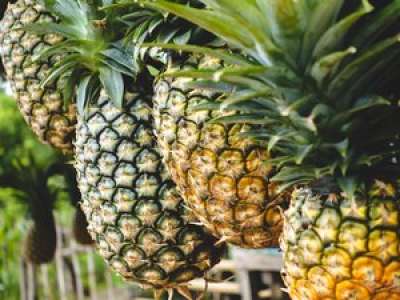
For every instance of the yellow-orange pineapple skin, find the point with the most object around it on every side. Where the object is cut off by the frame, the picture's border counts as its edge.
(340, 248)
(223, 176)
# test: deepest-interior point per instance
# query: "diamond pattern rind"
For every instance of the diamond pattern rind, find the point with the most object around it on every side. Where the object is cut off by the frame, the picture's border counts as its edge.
(135, 214)
(224, 177)
(343, 248)
(43, 109)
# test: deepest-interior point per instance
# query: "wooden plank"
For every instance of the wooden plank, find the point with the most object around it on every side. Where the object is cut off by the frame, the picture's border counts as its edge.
(265, 294)
(218, 276)
(60, 266)
(92, 275)
(224, 265)
(74, 249)
(245, 284)
(69, 276)
(255, 260)
(248, 261)
(277, 287)
(31, 282)
(22, 280)
(222, 287)
(110, 287)
(77, 273)
(44, 272)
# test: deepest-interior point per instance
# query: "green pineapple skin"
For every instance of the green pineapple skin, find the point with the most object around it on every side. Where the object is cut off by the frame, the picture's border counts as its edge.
(135, 215)
(42, 108)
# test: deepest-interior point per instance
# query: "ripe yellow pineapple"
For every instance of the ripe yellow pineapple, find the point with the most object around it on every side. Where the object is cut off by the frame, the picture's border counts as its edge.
(42, 108)
(336, 247)
(223, 176)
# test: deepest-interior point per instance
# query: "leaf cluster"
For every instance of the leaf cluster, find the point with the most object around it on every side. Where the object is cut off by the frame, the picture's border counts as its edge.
(320, 76)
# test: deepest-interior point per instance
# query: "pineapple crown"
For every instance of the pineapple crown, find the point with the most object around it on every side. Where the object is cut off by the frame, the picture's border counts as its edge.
(93, 56)
(99, 36)
(150, 25)
(319, 75)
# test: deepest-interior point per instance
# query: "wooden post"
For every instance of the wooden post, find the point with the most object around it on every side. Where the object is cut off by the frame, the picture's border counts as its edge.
(23, 280)
(110, 288)
(92, 275)
(77, 272)
(60, 266)
(44, 272)
(31, 282)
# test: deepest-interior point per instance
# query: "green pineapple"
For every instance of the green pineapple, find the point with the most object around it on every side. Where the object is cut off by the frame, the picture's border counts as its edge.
(40, 243)
(79, 222)
(135, 214)
(322, 76)
(43, 108)
(79, 228)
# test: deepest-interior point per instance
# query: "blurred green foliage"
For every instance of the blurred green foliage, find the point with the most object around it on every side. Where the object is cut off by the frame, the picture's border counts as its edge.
(23, 160)
(18, 148)
(24, 170)
(23, 165)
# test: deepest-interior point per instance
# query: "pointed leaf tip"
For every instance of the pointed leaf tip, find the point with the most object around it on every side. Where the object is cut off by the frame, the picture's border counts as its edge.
(113, 84)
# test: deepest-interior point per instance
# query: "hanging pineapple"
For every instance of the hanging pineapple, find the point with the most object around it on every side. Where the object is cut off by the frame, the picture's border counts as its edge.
(40, 243)
(24, 165)
(48, 111)
(221, 176)
(79, 228)
(79, 222)
(135, 215)
(324, 77)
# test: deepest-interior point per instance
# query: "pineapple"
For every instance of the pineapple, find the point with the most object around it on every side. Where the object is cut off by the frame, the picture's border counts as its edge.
(39, 246)
(24, 176)
(79, 228)
(221, 176)
(40, 243)
(341, 247)
(79, 222)
(42, 108)
(134, 212)
(322, 77)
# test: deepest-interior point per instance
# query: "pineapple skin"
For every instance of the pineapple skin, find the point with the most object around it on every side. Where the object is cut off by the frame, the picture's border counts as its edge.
(224, 178)
(43, 109)
(339, 248)
(79, 228)
(135, 214)
(40, 243)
